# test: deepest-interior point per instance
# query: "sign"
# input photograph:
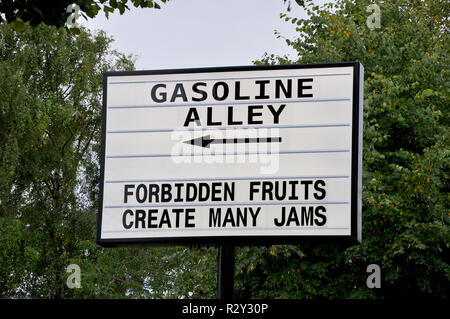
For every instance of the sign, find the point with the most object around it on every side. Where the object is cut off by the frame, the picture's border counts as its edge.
(243, 155)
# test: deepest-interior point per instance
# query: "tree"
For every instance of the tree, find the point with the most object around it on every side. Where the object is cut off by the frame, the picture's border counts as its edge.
(405, 158)
(51, 85)
(56, 13)
(50, 120)
(298, 2)
(20, 12)
(50, 89)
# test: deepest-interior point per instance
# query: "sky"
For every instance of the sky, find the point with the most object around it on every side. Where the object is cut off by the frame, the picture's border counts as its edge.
(200, 33)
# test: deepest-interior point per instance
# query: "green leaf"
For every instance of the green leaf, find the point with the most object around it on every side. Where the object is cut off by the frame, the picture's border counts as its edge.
(18, 25)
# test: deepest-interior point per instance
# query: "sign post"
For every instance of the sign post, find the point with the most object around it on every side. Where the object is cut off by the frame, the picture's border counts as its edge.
(230, 156)
(225, 278)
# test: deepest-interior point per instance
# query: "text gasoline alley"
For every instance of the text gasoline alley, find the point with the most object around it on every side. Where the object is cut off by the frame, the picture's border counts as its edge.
(190, 196)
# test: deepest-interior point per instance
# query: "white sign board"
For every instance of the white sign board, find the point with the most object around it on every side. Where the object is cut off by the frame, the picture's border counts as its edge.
(248, 155)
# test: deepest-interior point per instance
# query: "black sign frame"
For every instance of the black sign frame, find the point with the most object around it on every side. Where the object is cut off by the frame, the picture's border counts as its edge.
(356, 178)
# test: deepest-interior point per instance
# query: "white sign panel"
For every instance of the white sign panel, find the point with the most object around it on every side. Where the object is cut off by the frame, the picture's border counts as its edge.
(248, 155)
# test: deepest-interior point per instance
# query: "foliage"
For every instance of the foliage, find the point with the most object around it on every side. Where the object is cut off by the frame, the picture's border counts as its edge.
(34, 12)
(50, 118)
(21, 12)
(298, 2)
(405, 158)
(50, 97)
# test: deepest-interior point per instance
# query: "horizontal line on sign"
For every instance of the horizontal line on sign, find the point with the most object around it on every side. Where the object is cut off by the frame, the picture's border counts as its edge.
(231, 79)
(231, 153)
(227, 128)
(224, 179)
(226, 103)
(230, 204)
(220, 228)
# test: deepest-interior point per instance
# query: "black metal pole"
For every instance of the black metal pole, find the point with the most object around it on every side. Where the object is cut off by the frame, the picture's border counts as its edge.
(225, 281)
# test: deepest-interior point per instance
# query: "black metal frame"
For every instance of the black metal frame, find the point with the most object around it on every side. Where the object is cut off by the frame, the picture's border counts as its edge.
(247, 240)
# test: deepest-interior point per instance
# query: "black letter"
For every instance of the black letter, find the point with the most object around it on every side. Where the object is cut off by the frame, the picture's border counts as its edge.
(209, 120)
(276, 114)
(197, 90)
(253, 189)
(203, 192)
(320, 189)
(138, 192)
(166, 193)
(307, 216)
(322, 216)
(287, 92)
(177, 212)
(191, 197)
(163, 95)
(189, 217)
(126, 192)
(280, 223)
(140, 217)
(237, 92)
(178, 186)
(267, 189)
(294, 186)
(165, 219)
(252, 114)
(293, 217)
(301, 87)
(241, 216)
(229, 192)
(192, 116)
(280, 194)
(216, 191)
(124, 219)
(182, 94)
(214, 218)
(306, 183)
(152, 218)
(230, 117)
(225, 91)
(153, 191)
(262, 89)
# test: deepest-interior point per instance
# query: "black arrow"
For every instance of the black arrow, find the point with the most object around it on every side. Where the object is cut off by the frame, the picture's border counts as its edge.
(205, 141)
